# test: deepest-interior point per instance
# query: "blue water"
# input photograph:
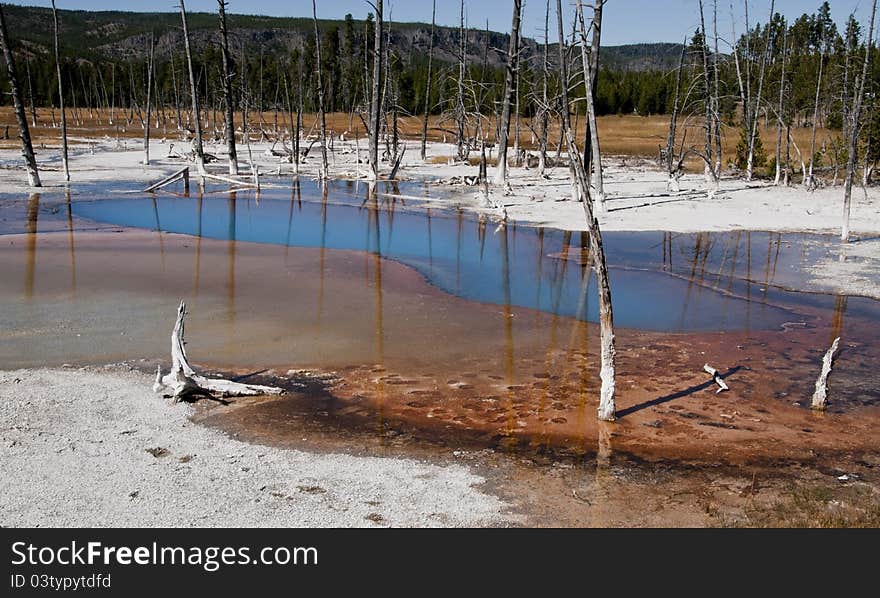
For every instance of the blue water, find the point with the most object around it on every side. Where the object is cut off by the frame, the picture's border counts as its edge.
(659, 281)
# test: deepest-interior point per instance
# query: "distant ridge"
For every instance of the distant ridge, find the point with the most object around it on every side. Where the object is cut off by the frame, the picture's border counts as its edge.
(119, 35)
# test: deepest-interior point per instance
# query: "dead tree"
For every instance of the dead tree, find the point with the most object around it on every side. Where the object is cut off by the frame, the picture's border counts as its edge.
(545, 101)
(460, 110)
(590, 60)
(606, 410)
(24, 133)
(590, 63)
(512, 71)
(780, 120)
(716, 98)
(198, 151)
(182, 382)
(64, 153)
(820, 395)
(321, 115)
(176, 92)
(376, 96)
(673, 166)
(297, 128)
(428, 82)
(229, 98)
(147, 123)
(712, 177)
(855, 127)
(753, 126)
(31, 100)
(809, 179)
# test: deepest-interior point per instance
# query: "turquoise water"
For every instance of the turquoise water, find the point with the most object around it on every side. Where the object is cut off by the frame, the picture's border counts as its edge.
(660, 281)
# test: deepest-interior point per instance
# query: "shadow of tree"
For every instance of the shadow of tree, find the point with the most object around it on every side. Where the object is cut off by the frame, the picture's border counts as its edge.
(676, 395)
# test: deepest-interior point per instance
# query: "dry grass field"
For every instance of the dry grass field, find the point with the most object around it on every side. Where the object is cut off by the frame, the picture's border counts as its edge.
(637, 136)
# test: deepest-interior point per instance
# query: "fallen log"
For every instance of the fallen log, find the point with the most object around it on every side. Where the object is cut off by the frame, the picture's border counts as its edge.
(183, 382)
(183, 173)
(231, 181)
(820, 396)
(722, 386)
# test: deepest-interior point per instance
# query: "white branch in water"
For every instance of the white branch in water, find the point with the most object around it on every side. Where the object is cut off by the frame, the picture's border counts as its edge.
(722, 386)
(820, 396)
(183, 382)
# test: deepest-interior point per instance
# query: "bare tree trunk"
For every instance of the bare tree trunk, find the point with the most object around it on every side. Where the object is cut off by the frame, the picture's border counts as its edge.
(820, 395)
(850, 42)
(113, 94)
(228, 75)
(428, 82)
(516, 110)
(460, 112)
(589, 94)
(809, 180)
(753, 126)
(711, 175)
(672, 167)
(176, 92)
(198, 151)
(606, 410)
(744, 99)
(376, 101)
(64, 153)
(592, 140)
(855, 127)
(299, 119)
(31, 94)
(27, 148)
(716, 98)
(780, 122)
(509, 90)
(545, 101)
(147, 124)
(323, 121)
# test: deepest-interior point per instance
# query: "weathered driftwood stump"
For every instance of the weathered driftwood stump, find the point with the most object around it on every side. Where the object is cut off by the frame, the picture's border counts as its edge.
(820, 396)
(722, 386)
(183, 382)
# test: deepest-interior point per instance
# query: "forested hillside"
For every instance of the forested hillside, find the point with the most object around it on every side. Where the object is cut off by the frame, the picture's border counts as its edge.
(107, 51)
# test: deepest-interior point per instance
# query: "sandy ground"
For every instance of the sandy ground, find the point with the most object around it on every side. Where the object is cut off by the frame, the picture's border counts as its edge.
(637, 198)
(71, 437)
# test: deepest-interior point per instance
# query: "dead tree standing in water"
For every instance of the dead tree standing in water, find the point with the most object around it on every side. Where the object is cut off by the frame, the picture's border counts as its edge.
(198, 151)
(64, 153)
(509, 90)
(581, 181)
(428, 81)
(855, 127)
(228, 75)
(24, 133)
(376, 101)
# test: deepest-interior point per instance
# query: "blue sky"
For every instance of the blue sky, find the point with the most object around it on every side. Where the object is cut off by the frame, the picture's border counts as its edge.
(626, 21)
